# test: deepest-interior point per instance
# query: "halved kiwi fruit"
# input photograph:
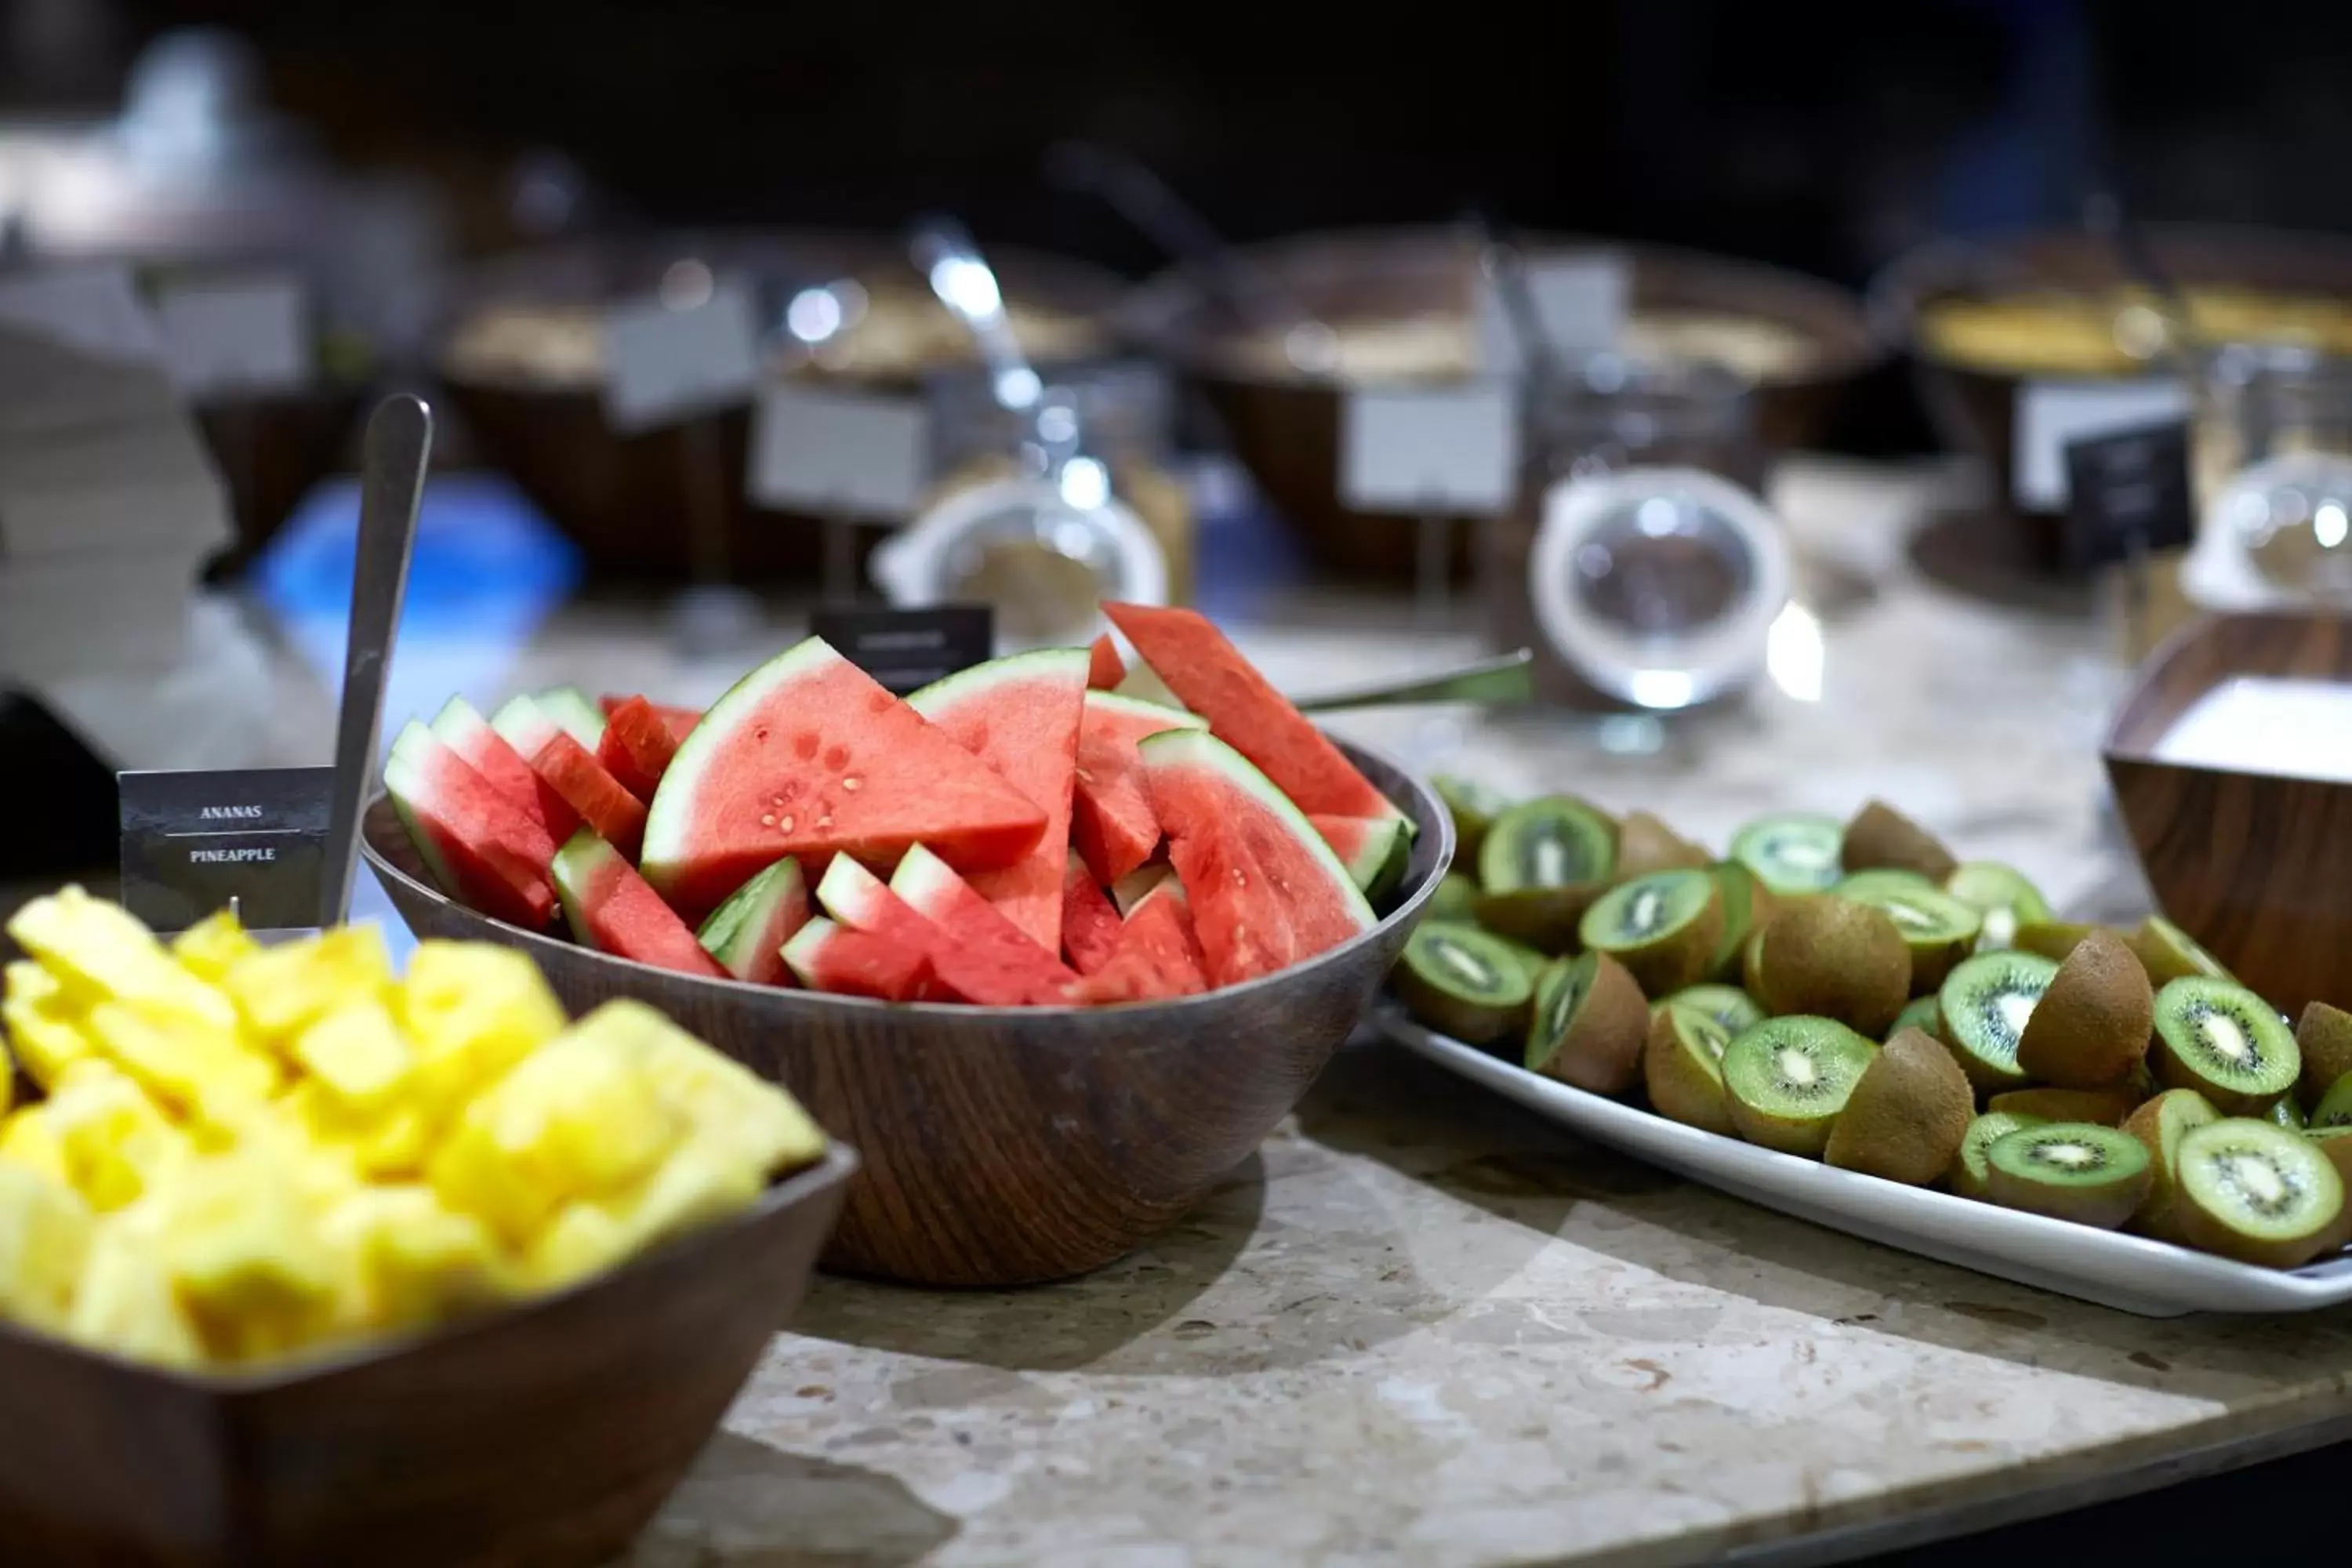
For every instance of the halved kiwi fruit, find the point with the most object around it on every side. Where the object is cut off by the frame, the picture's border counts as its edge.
(1645, 844)
(1472, 807)
(2259, 1194)
(2107, 1107)
(2286, 1113)
(2159, 1125)
(2223, 1041)
(1795, 852)
(1747, 905)
(2001, 894)
(1938, 928)
(1553, 841)
(1785, 1079)
(1906, 1115)
(2324, 1036)
(1727, 1004)
(2335, 1106)
(1455, 900)
(1590, 1024)
(1681, 1065)
(1920, 1013)
(1881, 837)
(2052, 939)
(2091, 1026)
(2336, 1142)
(1834, 958)
(1986, 1003)
(1459, 980)
(2170, 954)
(1969, 1175)
(1662, 927)
(1541, 919)
(2069, 1169)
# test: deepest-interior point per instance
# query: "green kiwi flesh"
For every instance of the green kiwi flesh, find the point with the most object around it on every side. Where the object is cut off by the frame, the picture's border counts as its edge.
(1662, 926)
(2223, 1041)
(1938, 929)
(2286, 1113)
(1795, 852)
(2052, 939)
(2069, 1169)
(1969, 1175)
(2171, 953)
(1920, 1013)
(1785, 1079)
(1463, 982)
(2001, 894)
(2335, 1106)
(2336, 1142)
(1455, 898)
(1985, 1003)
(1727, 1004)
(1555, 841)
(1745, 904)
(2159, 1124)
(1681, 1067)
(1590, 1024)
(2324, 1036)
(1474, 807)
(2258, 1193)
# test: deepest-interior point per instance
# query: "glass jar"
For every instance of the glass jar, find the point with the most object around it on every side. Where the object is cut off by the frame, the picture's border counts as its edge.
(2273, 471)
(1636, 546)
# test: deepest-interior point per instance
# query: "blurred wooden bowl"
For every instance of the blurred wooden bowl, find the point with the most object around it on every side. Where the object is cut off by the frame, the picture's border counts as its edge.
(627, 499)
(1287, 429)
(2251, 864)
(547, 1434)
(1005, 1146)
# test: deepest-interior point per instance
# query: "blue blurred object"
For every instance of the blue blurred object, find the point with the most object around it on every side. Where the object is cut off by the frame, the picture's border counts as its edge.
(1242, 553)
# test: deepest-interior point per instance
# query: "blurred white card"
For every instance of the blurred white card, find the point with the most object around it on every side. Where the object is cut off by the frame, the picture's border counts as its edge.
(854, 454)
(1453, 449)
(246, 334)
(2050, 413)
(1582, 301)
(664, 364)
(95, 309)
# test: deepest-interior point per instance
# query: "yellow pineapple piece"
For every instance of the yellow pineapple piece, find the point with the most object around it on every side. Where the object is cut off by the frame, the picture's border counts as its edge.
(126, 1305)
(414, 1261)
(472, 1011)
(357, 1055)
(386, 1144)
(45, 1236)
(281, 991)
(99, 952)
(581, 1240)
(245, 1254)
(697, 1183)
(214, 945)
(576, 1118)
(44, 1030)
(724, 1101)
(28, 1139)
(182, 1063)
(116, 1144)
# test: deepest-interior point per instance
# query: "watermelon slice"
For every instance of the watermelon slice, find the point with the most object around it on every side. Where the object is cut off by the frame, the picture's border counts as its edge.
(636, 748)
(478, 843)
(978, 928)
(1020, 715)
(746, 934)
(610, 909)
(557, 756)
(833, 958)
(1212, 678)
(679, 722)
(1266, 890)
(1104, 669)
(857, 897)
(1111, 819)
(807, 756)
(1158, 958)
(467, 733)
(1091, 926)
(569, 706)
(1375, 850)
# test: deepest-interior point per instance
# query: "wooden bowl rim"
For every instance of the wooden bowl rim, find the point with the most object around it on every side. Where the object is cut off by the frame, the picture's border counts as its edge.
(839, 1164)
(1426, 809)
(2148, 695)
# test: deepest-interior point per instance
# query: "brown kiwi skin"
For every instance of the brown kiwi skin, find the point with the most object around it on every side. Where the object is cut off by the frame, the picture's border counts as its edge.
(1544, 919)
(1906, 1115)
(2103, 1107)
(1879, 835)
(1602, 1050)
(1833, 958)
(1678, 1090)
(2055, 939)
(2324, 1036)
(2091, 1027)
(2154, 1215)
(1645, 844)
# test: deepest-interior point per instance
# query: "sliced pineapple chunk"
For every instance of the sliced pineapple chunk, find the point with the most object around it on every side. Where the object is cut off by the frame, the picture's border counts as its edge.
(28, 1139)
(184, 1065)
(412, 1259)
(245, 1254)
(764, 1127)
(357, 1055)
(214, 945)
(472, 1011)
(44, 1030)
(282, 991)
(126, 1305)
(117, 1144)
(45, 1236)
(98, 952)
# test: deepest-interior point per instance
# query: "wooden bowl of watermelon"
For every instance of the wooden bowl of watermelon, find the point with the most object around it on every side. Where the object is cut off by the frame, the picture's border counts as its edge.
(1052, 955)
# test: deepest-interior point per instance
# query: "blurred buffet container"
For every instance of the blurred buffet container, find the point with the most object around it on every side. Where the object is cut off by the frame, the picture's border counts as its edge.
(520, 348)
(1401, 307)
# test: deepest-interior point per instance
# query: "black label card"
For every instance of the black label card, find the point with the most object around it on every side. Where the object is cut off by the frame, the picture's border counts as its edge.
(192, 842)
(905, 649)
(2129, 490)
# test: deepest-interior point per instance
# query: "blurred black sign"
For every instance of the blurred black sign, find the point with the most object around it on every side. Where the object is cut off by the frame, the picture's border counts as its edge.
(2127, 492)
(193, 841)
(906, 650)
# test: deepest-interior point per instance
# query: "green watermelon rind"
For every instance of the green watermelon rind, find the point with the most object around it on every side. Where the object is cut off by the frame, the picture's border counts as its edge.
(1381, 861)
(582, 856)
(403, 783)
(1139, 708)
(980, 680)
(920, 878)
(800, 960)
(670, 818)
(573, 711)
(516, 717)
(1181, 748)
(745, 912)
(457, 719)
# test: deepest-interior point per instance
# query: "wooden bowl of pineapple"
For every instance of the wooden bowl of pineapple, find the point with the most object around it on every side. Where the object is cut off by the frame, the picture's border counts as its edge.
(450, 1306)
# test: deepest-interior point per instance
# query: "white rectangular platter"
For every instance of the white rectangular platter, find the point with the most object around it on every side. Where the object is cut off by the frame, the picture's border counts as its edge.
(2127, 1272)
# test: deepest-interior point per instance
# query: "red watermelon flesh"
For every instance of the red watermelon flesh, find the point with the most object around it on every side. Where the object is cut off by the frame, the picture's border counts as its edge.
(613, 910)
(1104, 669)
(978, 929)
(1020, 715)
(830, 957)
(808, 756)
(1266, 890)
(1210, 677)
(1111, 819)
(573, 772)
(1158, 958)
(1090, 925)
(480, 845)
(637, 747)
(467, 733)
(857, 897)
(679, 722)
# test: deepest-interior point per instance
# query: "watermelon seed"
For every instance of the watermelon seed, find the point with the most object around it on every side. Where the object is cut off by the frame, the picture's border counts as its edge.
(768, 819)
(849, 784)
(786, 825)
